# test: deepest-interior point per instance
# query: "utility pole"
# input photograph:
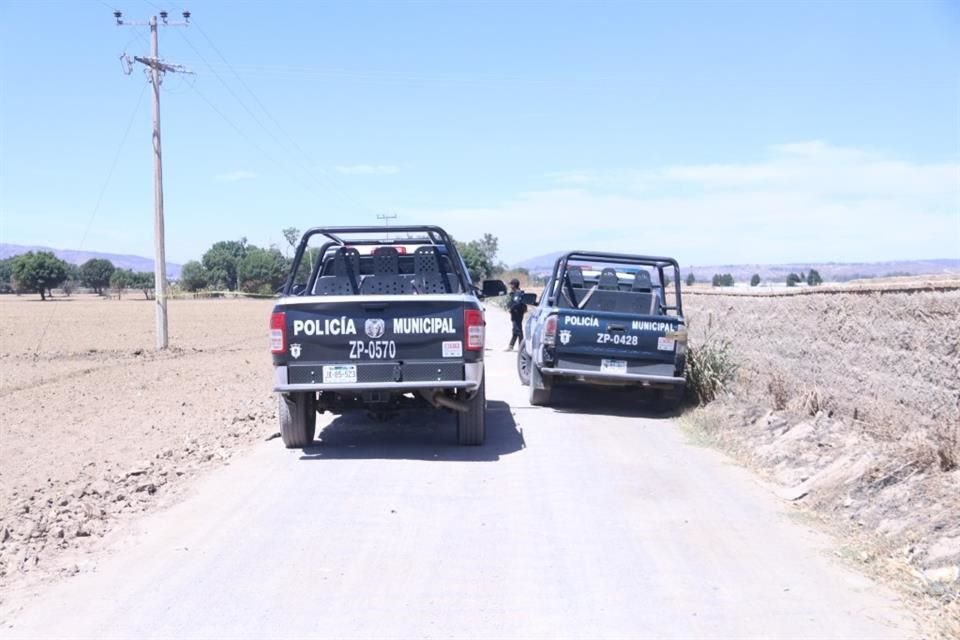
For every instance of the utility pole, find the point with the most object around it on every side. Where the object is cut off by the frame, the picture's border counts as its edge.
(155, 68)
(386, 217)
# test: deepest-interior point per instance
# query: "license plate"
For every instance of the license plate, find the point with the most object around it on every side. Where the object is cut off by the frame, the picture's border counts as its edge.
(339, 373)
(666, 344)
(613, 366)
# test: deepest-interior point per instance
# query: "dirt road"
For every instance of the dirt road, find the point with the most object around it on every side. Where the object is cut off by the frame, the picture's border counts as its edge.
(589, 520)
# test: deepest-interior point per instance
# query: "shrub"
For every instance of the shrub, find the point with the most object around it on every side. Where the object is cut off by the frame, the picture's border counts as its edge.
(711, 367)
(755, 280)
(691, 279)
(793, 280)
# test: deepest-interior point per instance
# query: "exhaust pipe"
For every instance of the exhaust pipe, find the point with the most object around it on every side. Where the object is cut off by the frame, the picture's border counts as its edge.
(438, 399)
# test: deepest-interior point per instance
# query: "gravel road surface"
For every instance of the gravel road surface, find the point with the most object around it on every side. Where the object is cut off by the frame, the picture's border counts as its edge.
(595, 519)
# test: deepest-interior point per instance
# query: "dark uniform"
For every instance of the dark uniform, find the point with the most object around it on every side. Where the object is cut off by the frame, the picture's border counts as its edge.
(517, 310)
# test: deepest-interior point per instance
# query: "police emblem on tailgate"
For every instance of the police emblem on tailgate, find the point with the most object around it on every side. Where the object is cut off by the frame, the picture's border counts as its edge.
(374, 327)
(295, 351)
(564, 337)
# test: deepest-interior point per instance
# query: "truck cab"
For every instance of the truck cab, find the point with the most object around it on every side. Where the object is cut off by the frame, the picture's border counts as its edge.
(607, 319)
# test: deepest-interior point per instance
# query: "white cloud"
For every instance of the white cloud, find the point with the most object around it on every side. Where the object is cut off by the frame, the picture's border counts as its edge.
(368, 169)
(807, 202)
(235, 176)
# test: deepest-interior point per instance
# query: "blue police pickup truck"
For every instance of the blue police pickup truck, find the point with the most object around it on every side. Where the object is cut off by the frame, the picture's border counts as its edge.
(379, 319)
(607, 319)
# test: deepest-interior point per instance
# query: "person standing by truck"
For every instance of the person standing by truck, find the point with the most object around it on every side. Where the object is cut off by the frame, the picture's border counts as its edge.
(517, 309)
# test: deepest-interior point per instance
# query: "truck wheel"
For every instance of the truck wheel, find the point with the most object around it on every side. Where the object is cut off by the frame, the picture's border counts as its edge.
(668, 400)
(471, 424)
(524, 362)
(298, 419)
(539, 387)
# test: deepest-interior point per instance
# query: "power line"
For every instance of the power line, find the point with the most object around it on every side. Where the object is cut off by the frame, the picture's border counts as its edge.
(341, 195)
(487, 80)
(99, 201)
(229, 122)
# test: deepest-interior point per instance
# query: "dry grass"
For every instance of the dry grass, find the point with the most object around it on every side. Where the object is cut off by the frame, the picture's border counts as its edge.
(779, 391)
(869, 383)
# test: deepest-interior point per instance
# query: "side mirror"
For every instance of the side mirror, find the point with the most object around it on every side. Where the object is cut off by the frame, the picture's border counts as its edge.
(530, 299)
(493, 288)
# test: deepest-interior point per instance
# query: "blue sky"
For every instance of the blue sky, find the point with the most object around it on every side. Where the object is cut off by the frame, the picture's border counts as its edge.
(748, 132)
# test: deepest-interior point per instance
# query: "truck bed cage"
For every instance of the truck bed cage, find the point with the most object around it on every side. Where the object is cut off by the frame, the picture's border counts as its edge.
(657, 262)
(381, 236)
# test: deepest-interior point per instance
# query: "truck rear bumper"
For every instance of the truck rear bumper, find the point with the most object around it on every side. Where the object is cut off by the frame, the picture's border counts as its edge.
(596, 376)
(473, 374)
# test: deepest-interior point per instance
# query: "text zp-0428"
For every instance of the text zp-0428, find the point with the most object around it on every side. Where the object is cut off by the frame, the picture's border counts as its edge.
(616, 338)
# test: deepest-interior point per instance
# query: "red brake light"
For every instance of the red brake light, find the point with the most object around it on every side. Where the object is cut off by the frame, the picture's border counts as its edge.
(278, 332)
(550, 331)
(474, 327)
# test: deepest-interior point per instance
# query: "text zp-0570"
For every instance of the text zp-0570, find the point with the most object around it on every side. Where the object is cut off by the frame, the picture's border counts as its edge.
(373, 349)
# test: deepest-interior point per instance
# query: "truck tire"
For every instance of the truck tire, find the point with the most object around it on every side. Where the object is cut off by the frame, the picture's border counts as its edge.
(669, 400)
(298, 419)
(471, 424)
(540, 390)
(524, 362)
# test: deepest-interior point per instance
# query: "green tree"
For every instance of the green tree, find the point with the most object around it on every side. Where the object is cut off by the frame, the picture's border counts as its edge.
(38, 272)
(292, 236)
(193, 276)
(481, 256)
(6, 275)
(813, 278)
(793, 280)
(478, 263)
(95, 274)
(722, 280)
(691, 279)
(73, 279)
(310, 257)
(222, 261)
(489, 244)
(262, 270)
(120, 279)
(755, 280)
(143, 280)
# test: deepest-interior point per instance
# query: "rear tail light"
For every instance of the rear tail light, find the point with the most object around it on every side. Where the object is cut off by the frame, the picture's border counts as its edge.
(474, 327)
(550, 331)
(278, 332)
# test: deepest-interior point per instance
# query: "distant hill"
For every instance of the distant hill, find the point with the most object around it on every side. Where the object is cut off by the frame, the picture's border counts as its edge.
(539, 265)
(832, 271)
(136, 263)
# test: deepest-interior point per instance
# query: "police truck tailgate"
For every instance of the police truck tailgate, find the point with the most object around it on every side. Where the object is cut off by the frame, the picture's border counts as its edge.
(414, 339)
(617, 343)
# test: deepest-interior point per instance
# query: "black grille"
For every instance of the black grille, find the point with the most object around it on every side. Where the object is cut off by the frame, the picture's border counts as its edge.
(300, 374)
(432, 371)
(378, 372)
